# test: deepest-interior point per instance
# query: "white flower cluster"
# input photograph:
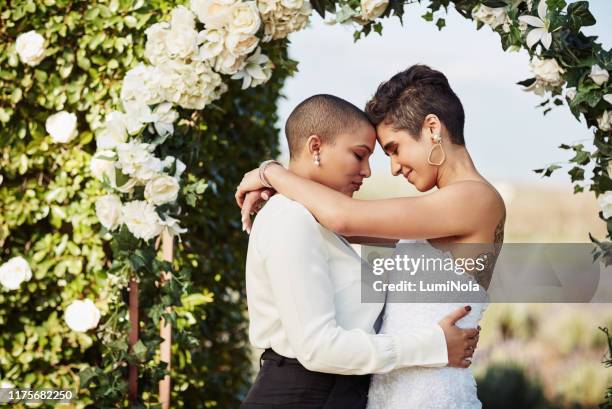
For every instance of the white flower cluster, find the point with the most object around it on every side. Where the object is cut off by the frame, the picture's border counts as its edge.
(493, 17)
(283, 17)
(135, 163)
(548, 75)
(184, 68)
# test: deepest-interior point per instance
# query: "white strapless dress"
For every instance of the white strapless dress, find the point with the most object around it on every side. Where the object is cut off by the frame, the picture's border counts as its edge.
(419, 387)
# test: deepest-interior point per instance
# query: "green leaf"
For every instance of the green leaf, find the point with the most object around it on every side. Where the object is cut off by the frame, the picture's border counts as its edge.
(527, 82)
(441, 23)
(556, 4)
(319, 7)
(140, 350)
(581, 158)
(579, 16)
(428, 16)
(547, 171)
(576, 173)
(86, 376)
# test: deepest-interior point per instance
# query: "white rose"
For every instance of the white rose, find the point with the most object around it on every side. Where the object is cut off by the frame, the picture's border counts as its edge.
(213, 41)
(108, 210)
(141, 219)
(113, 131)
(599, 75)
(241, 44)
(268, 6)
(244, 18)
(62, 127)
(190, 86)
(213, 13)
(372, 9)
(493, 17)
(571, 93)
(605, 202)
(182, 17)
(604, 122)
(82, 315)
(548, 75)
(31, 48)
(182, 42)
(547, 70)
(135, 159)
(155, 47)
(229, 64)
(161, 189)
(14, 272)
(609, 168)
(141, 83)
(280, 18)
(292, 4)
(103, 163)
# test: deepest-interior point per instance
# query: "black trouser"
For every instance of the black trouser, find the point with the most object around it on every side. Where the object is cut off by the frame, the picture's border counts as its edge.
(283, 383)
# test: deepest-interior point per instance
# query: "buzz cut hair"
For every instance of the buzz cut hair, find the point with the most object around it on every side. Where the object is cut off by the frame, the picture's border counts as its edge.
(324, 115)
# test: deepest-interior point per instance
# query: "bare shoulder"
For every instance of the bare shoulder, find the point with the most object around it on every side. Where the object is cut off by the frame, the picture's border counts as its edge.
(477, 196)
(480, 208)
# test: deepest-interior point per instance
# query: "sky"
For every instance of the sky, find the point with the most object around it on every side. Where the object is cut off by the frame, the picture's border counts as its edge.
(505, 133)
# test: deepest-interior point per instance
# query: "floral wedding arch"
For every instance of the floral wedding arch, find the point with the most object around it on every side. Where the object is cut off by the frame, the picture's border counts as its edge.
(191, 58)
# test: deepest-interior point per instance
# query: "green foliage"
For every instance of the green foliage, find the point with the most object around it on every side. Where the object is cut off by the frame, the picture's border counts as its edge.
(508, 387)
(47, 216)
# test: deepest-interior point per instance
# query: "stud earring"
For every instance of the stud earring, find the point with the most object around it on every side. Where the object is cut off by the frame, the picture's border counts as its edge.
(317, 159)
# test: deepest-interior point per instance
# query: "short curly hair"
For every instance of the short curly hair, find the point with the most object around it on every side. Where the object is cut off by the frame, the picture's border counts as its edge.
(409, 96)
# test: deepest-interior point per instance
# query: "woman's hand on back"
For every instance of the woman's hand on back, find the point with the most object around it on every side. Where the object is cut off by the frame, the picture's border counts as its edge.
(250, 182)
(253, 202)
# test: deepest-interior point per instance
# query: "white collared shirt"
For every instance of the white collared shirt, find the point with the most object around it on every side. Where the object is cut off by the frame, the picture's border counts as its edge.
(304, 300)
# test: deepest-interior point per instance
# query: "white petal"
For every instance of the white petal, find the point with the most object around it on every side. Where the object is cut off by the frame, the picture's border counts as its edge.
(608, 98)
(547, 40)
(534, 36)
(542, 9)
(532, 21)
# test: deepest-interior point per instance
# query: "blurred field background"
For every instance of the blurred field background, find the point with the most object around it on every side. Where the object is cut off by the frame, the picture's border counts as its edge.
(535, 355)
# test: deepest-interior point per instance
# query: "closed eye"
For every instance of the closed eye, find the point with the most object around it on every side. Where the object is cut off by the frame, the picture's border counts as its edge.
(358, 157)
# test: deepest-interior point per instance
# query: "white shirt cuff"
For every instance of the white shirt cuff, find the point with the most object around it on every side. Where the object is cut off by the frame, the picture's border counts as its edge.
(422, 347)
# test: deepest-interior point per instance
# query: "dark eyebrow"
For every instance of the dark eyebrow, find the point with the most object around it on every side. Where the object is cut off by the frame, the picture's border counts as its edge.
(365, 146)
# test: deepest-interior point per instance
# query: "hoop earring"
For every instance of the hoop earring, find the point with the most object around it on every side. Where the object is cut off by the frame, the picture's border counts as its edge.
(439, 143)
(317, 159)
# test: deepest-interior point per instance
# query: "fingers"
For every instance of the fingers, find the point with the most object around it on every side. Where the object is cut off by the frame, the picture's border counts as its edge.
(466, 363)
(267, 194)
(456, 315)
(248, 207)
(470, 333)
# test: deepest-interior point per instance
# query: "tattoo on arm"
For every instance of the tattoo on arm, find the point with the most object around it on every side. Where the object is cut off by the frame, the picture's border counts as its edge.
(484, 276)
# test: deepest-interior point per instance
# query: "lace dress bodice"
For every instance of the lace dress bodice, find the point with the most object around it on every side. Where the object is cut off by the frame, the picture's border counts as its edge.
(420, 387)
